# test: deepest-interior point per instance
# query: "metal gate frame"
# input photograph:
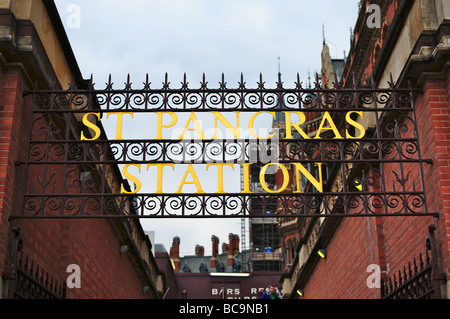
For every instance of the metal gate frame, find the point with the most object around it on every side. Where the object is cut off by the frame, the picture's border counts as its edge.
(24, 278)
(421, 280)
(70, 179)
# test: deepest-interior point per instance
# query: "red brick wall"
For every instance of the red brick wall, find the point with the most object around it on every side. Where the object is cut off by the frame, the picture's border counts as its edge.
(404, 238)
(434, 131)
(342, 274)
(392, 242)
(54, 244)
(13, 113)
(93, 246)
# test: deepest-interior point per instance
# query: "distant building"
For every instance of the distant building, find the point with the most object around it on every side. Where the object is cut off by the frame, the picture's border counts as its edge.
(219, 276)
(230, 260)
(291, 229)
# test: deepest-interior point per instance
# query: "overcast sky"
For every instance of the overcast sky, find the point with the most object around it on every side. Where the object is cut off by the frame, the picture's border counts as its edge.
(137, 37)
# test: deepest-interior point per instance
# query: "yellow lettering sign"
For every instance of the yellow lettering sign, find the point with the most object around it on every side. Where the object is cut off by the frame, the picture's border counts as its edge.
(190, 170)
(219, 174)
(119, 123)
(318, 184)
(160, 125)
(246, 177)
(296, 126)
(357, 125)
(160, 167)
(92, 126)
(132, 178)
(221, 118)
(262, 178)
(353, 129)
(251, 124)
(332, 127)
(192, 118)
(193, 124)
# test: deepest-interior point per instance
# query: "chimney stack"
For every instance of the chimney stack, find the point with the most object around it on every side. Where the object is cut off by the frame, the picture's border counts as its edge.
(233, 249)
(175, 253)
(225, 248)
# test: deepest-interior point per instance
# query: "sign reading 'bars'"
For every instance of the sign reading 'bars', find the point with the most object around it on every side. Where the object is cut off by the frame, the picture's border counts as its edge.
(331, 152)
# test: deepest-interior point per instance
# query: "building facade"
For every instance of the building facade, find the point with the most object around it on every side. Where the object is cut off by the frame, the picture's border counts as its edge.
(406, 42)
(223, 275)
(401, 41)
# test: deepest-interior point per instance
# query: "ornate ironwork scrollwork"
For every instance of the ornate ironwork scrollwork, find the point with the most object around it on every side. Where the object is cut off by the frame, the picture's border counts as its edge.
(67, 176)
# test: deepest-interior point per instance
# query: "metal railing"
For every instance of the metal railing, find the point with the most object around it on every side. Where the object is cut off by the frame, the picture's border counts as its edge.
(419, 280)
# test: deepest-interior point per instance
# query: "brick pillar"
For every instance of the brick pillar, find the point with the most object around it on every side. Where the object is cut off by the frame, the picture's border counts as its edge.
(433, 119)
(14, 122)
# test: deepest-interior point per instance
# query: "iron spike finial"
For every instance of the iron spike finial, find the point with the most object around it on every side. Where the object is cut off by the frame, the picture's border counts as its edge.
(317, 82)
(72, 83)
(184, 84)
(128, 83)
(109, 84)
(204, 83)
(91, 82)
(336, 81)
(147, 82)
(223, 84)
(298, 84)
(279, 83)
(372, 81)
(261, 82)
(242, 83)
(166, 81)
(391, 81)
